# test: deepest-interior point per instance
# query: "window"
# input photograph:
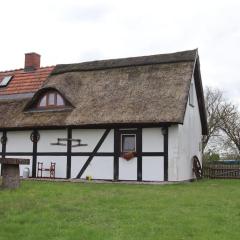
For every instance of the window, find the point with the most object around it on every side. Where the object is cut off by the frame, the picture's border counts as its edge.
(60, 101)
(5, 80)
(191, 95)
(128, 142)
(51, 99)
(43, 102)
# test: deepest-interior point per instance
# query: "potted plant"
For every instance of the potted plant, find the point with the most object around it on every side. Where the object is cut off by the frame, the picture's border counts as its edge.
(128, 155)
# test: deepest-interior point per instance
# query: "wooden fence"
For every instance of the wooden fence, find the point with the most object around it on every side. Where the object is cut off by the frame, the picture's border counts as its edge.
(216, 170)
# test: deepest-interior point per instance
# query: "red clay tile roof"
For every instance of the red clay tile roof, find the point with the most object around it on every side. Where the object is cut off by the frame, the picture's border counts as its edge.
(24, 82)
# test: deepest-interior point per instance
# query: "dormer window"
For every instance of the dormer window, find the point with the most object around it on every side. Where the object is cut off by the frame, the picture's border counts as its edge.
(48, 99)
(51, 99)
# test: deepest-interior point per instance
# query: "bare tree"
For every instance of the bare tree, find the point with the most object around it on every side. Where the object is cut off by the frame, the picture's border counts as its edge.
(223, 119)
(214, 103)
(230, 125)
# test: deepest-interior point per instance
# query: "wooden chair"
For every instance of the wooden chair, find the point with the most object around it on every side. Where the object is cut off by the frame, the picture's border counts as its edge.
(52, 170)
(41, 169)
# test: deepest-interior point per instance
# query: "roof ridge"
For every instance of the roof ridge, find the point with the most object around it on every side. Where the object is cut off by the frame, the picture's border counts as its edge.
(20, 69)
(183, 56)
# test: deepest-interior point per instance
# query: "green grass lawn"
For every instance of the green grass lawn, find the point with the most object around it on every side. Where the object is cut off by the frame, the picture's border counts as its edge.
(58, 210)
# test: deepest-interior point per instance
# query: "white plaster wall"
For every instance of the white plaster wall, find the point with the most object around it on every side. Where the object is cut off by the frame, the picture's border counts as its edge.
(127, 169)
(99, 167)
(19, 141)
(77, 164)
(173, 152)
(187, 145)
(91, 137)
(152, 169)
(50, 136)
(152, 140)
(108, 144)
(61, 165)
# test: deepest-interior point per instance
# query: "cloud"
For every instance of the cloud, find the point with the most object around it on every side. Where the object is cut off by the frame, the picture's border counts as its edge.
(84, 13)
(73, 31)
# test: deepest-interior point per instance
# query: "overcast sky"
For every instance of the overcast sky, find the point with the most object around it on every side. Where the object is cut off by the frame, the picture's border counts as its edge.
(67, 31)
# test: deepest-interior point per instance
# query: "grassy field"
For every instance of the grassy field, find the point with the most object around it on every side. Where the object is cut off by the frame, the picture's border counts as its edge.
(47, 210)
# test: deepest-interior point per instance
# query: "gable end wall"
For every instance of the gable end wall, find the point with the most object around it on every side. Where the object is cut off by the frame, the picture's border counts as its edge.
(184, 143)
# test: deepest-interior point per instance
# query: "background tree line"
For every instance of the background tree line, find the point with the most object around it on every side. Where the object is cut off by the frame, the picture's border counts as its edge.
(223, 127)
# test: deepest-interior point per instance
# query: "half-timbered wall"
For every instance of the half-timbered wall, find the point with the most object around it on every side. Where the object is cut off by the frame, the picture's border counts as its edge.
(152, 167)
(48, 137)
(97, 159)
(100, 167)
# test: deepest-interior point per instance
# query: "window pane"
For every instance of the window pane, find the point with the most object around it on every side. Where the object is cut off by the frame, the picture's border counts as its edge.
(60, 101)
(191, 95)
(128, 143)
(51, 99)
(43, 102)
(5, 81)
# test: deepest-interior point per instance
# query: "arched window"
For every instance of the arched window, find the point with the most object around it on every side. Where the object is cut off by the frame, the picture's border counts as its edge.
(51, 99)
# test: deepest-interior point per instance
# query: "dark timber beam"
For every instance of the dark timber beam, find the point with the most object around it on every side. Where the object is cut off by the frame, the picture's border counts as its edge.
(94, 126)
(98, 154)
(4, 145)
(165, 140)
(35, 138)
(139, 152)
(93, 153)
(116, 154)
(69, 151)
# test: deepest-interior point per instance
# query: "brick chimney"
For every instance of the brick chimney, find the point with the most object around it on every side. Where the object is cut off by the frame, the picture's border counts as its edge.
(32, 61)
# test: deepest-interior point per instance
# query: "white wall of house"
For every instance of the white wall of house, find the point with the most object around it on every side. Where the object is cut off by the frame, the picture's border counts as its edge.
(100, 167)
(152, 140)
(47, 137)
(91, 137)
(173, 152)
(77, 164)
(19, 141)
(152, 169)
(128, 169)
(184, 143)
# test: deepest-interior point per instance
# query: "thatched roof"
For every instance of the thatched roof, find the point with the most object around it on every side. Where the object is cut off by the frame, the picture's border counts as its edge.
(143, 90)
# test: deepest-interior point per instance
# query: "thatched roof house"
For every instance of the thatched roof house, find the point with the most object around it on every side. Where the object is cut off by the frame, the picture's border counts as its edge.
(151, 89)
(131, 96)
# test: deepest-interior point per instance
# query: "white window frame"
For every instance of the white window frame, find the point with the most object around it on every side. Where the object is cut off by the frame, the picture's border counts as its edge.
(128, 134)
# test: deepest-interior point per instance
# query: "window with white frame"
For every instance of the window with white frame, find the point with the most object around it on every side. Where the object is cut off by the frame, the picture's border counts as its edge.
(128, 143)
